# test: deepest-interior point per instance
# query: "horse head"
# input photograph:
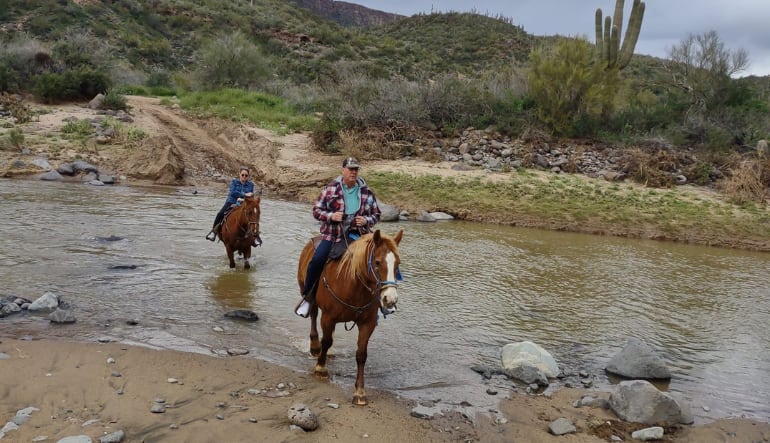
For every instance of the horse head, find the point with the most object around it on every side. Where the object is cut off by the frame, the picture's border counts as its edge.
(251, 212)
(376, 260)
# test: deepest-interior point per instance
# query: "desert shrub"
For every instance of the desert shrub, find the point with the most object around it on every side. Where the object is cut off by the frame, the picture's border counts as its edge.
(84, 82)
(232, 61)
(651, 168)
(15, 104)
(745, 184)
(114, 100)
(15, 138)
(78, 128)
(569, 88)
(78, 48)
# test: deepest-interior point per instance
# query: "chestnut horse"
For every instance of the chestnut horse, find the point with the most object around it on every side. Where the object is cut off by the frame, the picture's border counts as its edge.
(352, 289)
(239, 229)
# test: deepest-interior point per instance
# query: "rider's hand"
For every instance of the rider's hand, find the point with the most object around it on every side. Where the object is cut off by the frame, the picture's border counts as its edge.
(249, 194)
(360, 221)
(337, 216)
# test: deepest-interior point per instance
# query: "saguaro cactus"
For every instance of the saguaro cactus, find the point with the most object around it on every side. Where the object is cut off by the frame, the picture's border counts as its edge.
(608, 48)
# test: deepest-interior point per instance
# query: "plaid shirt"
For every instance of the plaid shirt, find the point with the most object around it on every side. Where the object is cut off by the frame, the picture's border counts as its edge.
(331, 200)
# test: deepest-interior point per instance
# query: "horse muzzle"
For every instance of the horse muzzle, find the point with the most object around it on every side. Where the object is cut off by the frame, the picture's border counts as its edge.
(388, 298)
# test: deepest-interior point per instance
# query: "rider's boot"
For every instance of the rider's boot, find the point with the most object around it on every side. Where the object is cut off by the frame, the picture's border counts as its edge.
(303, 307)
(212, 236)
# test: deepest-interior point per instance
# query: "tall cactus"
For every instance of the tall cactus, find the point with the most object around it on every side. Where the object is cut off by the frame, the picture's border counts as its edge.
(608, 48)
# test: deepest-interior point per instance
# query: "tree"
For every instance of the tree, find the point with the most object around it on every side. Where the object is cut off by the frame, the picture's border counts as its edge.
(702, 67)
(568, 86)
(232, 61)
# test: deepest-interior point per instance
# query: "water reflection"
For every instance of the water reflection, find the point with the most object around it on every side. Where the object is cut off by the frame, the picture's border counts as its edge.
(232, 290)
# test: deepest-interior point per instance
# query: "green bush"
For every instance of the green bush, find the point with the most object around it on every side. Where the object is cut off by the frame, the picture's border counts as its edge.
(232, 61)
(114, 100)
(571, 90)
(83, 83)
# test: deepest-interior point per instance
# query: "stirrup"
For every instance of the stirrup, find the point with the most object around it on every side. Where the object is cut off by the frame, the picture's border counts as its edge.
(303, 308)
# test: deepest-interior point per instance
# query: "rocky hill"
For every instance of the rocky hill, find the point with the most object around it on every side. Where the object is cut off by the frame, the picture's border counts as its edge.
(347, 14)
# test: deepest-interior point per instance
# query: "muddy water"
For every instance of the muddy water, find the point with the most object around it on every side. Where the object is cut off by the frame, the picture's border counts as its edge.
(119, 253)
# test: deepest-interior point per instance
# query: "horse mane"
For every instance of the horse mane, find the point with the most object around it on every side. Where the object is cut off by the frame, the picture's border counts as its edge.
(356, 258)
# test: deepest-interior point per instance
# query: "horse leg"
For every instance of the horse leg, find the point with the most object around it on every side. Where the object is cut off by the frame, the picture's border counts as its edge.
(315, 345)
(327, 328)
(230, 253)
(246, 257)
(364, 333)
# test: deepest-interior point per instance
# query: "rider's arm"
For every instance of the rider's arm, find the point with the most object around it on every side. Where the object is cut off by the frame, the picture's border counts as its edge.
(322, 210)
(371, 210)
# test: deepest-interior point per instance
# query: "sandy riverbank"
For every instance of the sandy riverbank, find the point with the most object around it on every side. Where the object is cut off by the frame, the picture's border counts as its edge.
(94, 389)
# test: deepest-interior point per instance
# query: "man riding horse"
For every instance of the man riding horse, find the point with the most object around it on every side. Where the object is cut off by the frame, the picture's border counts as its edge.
(347, 209)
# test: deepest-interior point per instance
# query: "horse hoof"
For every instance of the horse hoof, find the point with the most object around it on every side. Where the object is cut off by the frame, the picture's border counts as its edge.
(315, 352)
(359, 400)
(322, 373)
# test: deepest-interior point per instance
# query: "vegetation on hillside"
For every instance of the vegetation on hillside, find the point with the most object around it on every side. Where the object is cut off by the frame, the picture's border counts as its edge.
(280, 66)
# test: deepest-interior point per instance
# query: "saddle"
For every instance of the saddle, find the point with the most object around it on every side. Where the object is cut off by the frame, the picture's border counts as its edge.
(339, 248)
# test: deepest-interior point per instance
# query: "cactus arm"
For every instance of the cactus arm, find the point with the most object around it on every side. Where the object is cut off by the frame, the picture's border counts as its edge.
(617, 18)
(632, 33)
(607, 41)
(599, 36)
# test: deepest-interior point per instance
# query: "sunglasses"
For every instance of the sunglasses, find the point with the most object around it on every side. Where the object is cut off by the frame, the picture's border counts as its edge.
(244, 175)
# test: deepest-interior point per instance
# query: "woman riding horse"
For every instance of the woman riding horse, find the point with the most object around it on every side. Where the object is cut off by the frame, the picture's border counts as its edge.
(240, 187)
(240, 230)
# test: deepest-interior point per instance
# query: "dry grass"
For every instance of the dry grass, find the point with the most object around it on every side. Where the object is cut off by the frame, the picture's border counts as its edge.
(748, 182)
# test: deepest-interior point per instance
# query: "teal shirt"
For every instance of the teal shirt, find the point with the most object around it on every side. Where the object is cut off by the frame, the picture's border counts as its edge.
(352, 200)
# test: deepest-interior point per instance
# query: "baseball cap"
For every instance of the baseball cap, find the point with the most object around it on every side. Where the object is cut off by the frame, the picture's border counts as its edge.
(350, 163)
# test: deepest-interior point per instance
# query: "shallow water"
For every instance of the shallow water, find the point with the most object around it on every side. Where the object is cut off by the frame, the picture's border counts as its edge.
(469, 289)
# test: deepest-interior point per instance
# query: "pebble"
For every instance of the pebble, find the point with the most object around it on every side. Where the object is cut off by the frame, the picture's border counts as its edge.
(172, 380)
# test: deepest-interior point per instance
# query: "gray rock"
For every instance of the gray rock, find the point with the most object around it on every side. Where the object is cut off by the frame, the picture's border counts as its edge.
(639, 401)
(424, 216)
(76, 439)
(388, 213)
(115, 437)
(47, 301)
(561, 426)
(300, 415)
(647, 434)
(638, 360)
(51, 176)
(62, 316)
(242, 314)
(425, 412)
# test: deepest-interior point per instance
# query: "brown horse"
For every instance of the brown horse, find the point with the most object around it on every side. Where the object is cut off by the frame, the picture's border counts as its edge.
(353, 289)
(239, 229)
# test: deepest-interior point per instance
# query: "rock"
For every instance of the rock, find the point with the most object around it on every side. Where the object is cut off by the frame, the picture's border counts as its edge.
(638, 360)
(388, 213)
(47, 301)
(561, 426)
(514, 355)
(639, 401)
(647, 434)
(51, 176)
(242, 314)
(300, 415)
(62, 316)
(115, 437)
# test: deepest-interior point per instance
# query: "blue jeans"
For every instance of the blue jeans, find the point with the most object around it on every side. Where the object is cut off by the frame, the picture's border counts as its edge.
(315, 268)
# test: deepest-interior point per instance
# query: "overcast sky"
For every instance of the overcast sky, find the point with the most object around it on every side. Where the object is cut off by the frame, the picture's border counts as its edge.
(739, 23)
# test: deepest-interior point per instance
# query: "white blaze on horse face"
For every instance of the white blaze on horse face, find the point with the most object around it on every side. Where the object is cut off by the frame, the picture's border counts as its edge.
(389, 296)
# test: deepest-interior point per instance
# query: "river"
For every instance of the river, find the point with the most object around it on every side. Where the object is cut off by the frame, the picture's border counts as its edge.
(469, 289)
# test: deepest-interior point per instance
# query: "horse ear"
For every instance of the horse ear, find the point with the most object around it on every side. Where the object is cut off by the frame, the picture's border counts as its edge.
(377, 236)
(398, 236)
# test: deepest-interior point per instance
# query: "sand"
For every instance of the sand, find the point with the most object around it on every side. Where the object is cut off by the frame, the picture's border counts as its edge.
(95, 389)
